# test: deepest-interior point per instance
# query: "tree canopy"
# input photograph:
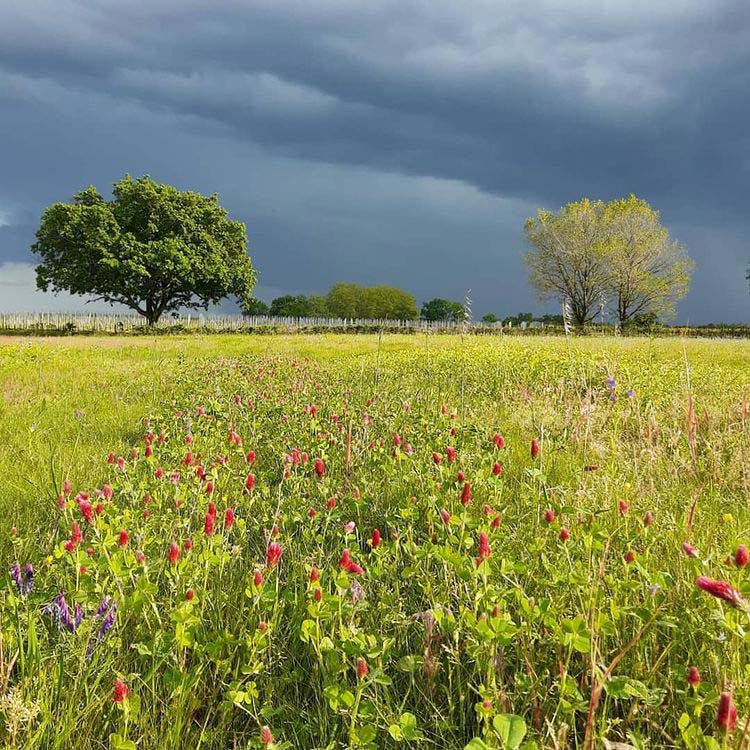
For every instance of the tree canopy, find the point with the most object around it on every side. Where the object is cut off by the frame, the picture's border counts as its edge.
(300, 306)
(568, 257)
(355, 301)
(254, 306)
(152, 248)
(347, 301)
(442, 309)
(594, 255)
(649, 271)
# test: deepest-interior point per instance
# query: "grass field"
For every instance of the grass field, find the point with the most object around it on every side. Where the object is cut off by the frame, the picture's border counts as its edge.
(560, 531)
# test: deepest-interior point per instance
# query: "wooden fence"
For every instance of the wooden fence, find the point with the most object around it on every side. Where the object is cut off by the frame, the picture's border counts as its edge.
(56, 323)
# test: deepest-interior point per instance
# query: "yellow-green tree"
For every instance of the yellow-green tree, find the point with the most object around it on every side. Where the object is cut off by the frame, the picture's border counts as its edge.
(355, 301)
(649, 271)
(568, 257)
(590, 253)
(343, 300)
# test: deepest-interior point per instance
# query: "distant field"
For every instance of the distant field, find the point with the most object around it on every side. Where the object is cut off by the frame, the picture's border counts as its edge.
(513, 595)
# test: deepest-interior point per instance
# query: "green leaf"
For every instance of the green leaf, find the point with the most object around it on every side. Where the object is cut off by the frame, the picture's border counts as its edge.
(308, 630)
(408, 724)
(407, 664)
(116, 742)
(395, 731)
(511, 729)
(347, 698)
(367, 734)
(332, 693)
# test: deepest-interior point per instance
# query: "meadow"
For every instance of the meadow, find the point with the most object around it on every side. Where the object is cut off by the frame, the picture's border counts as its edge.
(374, 542)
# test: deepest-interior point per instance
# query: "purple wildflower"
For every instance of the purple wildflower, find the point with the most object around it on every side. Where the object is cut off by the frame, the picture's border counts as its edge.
(28, 571)
(103, 606)
(65, 618)
(53, 609)
(15, 574)
(58, 608)
(61, 613)
(107, 622)
(611, 385)
(24, 580)
(106, 610)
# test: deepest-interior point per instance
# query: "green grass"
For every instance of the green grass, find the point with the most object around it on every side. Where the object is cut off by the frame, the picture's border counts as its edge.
(458, 654)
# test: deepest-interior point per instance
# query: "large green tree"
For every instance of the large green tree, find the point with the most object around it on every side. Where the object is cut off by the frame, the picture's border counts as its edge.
(151, 248)
(317, 306)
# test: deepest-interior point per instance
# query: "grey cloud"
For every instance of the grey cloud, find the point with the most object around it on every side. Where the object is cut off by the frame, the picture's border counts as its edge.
(535, 103)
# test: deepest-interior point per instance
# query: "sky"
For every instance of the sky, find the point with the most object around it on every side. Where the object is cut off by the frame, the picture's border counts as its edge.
(398, 142)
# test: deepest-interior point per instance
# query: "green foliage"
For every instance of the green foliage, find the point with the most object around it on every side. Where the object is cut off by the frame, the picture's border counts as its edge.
(510, 729)
(345, 300)
(300, 306)
(317, 306)
(152, 248)
(375, 302)
(490, 318)
(289, 306)
(519, 318)
(442, 309)
(644, 321)
(255, 306)
(551, 319)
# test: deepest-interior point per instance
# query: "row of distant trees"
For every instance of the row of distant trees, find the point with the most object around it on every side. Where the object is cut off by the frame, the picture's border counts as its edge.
(342, 301)
(353, 301)
(445, 309)
(157, 250)
(377, 302)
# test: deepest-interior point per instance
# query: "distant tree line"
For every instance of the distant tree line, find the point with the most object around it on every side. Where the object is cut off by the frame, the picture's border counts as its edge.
(342, 301)
(377, 302)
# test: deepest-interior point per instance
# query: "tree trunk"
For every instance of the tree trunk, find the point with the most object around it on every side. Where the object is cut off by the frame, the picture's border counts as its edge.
(579, 316)
(152, 313)
(622, 313)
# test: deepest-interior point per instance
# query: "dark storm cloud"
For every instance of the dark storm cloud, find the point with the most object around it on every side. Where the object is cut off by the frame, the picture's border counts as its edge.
(516, 105)
(15, 240)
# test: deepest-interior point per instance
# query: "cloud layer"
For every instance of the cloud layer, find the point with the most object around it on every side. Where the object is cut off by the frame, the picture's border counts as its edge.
(394, 142)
